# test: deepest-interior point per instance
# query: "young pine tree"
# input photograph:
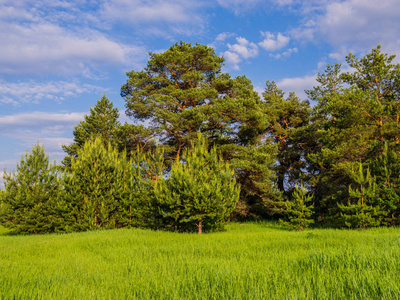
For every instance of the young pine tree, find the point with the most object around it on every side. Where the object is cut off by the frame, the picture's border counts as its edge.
(199, 192)
(100, 189)
(362, 209)
(30, 201)
(299, 209)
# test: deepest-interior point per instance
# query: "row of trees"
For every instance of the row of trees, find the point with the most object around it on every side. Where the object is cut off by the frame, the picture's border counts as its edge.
(335, 163)
(104, 189)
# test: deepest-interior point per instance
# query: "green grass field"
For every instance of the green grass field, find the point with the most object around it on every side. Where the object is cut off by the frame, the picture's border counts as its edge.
(248, 261)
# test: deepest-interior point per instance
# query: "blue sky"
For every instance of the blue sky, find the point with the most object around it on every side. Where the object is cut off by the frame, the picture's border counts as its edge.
(58, 57)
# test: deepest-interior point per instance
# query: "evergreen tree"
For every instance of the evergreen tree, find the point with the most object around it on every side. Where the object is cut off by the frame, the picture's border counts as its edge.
(101, 189)
(31, 197)
(287, 120)
(351, 124)
(200, 190)
(386, 170)
(102, 121)
(299, 210)
(181, 92)
(364, 211)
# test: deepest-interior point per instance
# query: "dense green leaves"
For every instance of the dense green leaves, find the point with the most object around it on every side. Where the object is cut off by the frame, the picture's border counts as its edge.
(159, 173)
(30, 200)
(199, 192)
(100, 189)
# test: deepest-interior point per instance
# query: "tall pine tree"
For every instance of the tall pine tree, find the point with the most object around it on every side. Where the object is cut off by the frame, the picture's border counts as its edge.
(30, 203)
(102, 121)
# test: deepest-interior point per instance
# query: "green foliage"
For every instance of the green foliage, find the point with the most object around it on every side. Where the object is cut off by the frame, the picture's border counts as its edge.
(181, 92)
(386, 170)
(199, 191)
(363, 211)
(102, 121)
(299, 210)
(356, 114)
(101, 189)
(30, 201)
(287, 119)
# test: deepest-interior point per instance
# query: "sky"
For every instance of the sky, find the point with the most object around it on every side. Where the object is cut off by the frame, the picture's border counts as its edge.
(57, 58)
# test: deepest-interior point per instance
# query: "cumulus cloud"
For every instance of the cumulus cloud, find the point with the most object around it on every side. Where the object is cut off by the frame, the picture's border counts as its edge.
(298, 85)
(273, 42)
(223, 36)
(243, 49)
(284, 54)
(31, 91)
(356, 25)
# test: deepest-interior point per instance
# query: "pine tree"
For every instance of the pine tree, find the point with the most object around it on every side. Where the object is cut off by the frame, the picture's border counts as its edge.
(299, 210)
(386, 170)
(287, 120)
(181, 92)
(101, 189)
(199, 192)
(102, 121)
(30, 203)
(362, 209)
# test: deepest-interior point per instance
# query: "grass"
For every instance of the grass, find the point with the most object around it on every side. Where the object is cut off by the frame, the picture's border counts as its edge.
(248, 261)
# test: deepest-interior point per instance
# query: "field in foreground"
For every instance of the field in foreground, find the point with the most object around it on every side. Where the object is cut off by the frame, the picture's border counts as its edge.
(248, 261)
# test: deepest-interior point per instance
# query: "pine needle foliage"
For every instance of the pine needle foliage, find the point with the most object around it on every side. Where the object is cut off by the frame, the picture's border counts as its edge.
(30, 200)
(102, 121)
(100, 189)
(299, 209)
(362, 209)
(199, 192)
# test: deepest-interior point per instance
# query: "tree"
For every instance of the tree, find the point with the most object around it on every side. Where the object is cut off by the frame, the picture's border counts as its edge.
(352, 124)
(182, 91)
(364, 211)
(287, 119)
(101, 189)
(299, 210)
(102, 121)
(200, 190)
(30, 201)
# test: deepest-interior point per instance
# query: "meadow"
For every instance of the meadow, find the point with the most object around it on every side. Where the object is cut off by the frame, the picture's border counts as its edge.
(247, 261)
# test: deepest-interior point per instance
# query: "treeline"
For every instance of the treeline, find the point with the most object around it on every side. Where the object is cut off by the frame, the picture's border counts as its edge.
(209, 148)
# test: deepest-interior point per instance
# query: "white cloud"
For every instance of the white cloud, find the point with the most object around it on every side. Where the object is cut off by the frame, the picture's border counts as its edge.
(31, 91)
(48, 48)
(241, 6)
(159, 16)
(243, 49)
(223, 36)
(284, 54)
(232, 59)
(42, 37)
(273, 42)
(298, 85)
(356, 25)
(39, 120)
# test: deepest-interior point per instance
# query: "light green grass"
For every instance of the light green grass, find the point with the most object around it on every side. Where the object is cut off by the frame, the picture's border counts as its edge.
(248, 261)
